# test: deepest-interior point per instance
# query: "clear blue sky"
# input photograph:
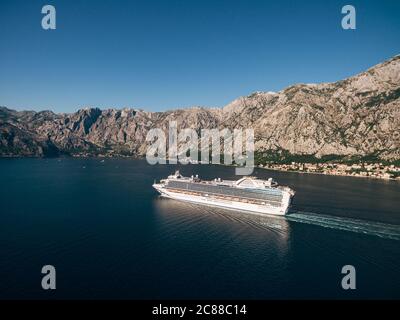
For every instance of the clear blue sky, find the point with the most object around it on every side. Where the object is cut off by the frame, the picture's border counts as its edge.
(158, 55)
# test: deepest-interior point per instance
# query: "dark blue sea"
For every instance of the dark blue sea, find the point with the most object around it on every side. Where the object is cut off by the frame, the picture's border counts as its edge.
(109, 235)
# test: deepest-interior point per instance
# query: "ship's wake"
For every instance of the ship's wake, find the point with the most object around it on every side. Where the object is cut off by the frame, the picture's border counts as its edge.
(277, 223)
(280, 225)
(383, 230)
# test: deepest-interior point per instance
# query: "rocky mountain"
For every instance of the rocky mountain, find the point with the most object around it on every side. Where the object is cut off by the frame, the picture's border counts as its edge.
(358, 117)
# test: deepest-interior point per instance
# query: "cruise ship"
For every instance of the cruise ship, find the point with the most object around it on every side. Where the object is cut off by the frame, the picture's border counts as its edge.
(246, 194)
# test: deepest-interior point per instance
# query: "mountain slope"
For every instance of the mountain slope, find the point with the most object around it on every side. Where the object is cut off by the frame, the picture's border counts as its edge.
(355, 117)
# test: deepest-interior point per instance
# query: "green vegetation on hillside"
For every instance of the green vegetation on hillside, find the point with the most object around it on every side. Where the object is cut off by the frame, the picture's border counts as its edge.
(285, 157)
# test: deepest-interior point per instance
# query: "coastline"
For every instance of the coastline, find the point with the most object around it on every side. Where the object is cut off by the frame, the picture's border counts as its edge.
(370, 174)
(342, 174)
(331, 175)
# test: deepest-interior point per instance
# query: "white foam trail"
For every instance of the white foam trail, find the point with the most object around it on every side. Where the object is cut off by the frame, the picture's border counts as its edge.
(383, 230)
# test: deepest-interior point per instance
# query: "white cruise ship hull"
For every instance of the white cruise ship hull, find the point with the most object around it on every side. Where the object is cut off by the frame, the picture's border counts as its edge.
(228, 204)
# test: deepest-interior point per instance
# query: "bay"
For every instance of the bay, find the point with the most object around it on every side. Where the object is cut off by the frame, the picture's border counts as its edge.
(111, 236)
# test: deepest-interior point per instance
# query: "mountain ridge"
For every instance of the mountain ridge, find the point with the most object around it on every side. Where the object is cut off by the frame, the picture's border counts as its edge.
(355, 117)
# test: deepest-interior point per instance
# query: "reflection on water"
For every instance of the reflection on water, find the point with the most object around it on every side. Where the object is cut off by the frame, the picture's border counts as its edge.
(174, 210)
(300, 253)
(170, 209)
(209, 219)
(111, 236)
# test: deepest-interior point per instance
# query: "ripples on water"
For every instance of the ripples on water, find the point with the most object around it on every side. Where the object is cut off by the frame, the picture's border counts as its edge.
(382, 230)
(279, 224)
(194, 212)
(112, 236)
(290, 250)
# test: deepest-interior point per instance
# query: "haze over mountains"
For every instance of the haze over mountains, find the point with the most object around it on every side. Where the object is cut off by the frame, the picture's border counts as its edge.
(356, 117)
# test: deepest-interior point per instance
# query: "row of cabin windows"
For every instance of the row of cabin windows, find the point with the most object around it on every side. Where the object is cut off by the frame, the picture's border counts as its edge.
(225, 190)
